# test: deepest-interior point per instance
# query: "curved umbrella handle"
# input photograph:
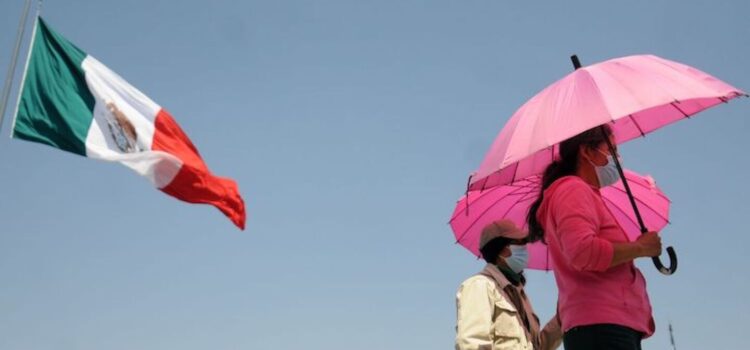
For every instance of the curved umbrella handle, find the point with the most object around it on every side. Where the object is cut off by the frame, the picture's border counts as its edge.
(672, 262)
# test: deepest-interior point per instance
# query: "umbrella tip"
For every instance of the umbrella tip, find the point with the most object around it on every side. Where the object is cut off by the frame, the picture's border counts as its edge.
(576, 62)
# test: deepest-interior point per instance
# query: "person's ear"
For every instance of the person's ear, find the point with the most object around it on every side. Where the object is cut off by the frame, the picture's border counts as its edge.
(585, 153)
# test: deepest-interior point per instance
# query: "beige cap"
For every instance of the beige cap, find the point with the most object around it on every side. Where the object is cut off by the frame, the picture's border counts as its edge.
(501, 228)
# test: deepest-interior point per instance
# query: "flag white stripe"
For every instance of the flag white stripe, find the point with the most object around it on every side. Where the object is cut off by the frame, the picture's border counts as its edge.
(122, 129)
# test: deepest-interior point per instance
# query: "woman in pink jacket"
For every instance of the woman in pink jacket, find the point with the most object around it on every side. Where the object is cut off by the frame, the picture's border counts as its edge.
(602, 299)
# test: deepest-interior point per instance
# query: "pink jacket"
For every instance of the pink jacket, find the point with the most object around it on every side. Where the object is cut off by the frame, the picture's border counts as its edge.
(580, 230)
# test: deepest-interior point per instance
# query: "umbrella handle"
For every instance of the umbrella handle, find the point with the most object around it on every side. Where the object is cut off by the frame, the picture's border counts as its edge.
(672, 262)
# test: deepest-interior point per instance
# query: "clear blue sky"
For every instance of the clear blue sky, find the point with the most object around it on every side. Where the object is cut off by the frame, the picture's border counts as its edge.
(351, 127)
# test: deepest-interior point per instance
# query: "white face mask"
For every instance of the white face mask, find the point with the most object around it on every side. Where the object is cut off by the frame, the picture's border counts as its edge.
(518, 259)
(607, 173)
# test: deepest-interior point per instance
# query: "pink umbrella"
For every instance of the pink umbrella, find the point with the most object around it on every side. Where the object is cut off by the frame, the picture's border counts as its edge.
(635, 95)
(478, 209)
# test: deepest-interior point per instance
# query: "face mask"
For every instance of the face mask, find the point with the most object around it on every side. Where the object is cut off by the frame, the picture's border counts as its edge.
(518, 259)
(607, 174)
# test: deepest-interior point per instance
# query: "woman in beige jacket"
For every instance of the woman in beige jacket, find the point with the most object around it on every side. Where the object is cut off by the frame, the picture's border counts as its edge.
(493, 311)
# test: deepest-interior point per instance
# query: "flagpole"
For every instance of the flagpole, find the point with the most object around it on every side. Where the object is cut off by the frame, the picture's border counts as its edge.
(25, 68)
(14, 60)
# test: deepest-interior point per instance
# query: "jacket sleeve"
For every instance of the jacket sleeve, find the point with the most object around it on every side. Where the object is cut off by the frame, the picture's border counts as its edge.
(577, 227)
(551, 335)
(474, 315)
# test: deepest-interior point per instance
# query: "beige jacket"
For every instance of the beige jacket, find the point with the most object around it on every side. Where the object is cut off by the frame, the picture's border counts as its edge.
(488, 320)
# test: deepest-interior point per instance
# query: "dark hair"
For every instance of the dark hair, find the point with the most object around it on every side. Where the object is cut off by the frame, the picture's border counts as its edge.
(492, 249)
(566, 164)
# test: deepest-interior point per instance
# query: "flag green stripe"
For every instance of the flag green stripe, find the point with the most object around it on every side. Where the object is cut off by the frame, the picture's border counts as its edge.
(56, 106)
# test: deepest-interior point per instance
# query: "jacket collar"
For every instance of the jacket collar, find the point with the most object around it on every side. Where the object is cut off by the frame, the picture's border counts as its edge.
(495, 273)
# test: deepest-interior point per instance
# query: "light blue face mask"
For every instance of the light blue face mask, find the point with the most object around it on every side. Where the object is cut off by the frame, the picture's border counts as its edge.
(607, 174)
(518, 259)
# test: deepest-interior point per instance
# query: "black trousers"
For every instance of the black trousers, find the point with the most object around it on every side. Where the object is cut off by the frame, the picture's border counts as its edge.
(602, 336)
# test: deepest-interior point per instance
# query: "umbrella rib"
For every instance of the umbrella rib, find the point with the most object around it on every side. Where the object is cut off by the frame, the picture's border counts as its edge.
(637, 125)
(515, 170)
(529, 182)
(624, 213)
(518, 189)
(734, 94)
(641, 203)
(674, 104)
(484, 183)
(480, 196)
(647, 205)
(601, 96)
(528, 195)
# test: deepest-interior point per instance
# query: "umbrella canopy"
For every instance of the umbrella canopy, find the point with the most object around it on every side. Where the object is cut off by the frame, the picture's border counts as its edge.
(479, 208)
(635, 94)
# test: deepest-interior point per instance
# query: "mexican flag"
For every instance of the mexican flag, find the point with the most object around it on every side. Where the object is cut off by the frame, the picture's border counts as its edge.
(73, 102)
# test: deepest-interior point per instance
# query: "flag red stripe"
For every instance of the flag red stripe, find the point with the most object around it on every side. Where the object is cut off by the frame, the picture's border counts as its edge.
(194, 183)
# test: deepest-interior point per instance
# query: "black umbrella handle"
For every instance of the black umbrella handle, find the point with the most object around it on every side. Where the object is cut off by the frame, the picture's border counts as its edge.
(670, 251)
(672, 262)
